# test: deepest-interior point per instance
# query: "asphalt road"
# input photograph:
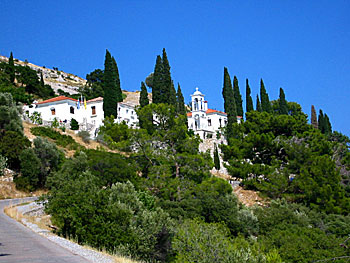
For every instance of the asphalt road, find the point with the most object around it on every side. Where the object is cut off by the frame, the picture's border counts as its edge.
(19, 244)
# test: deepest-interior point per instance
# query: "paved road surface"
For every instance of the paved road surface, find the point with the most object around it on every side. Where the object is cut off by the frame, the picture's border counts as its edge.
(19, 244)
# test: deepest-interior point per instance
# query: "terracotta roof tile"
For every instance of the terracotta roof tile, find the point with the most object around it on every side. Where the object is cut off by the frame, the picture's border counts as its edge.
(59, 98)
(95, 99)
(214, 111)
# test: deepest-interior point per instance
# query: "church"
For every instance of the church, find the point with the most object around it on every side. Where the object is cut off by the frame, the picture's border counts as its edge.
(89, 114)
(204, 121)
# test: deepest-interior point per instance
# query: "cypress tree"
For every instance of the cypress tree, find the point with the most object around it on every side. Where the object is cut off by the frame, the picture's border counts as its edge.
(118, 89)
(180, 101)
(238, 97)
(249, 100)
(229, 103)
(216, 158)
(328, 126)
(143, 96)
(313, 117)
(321, 123)
(157, 81)
(258, 105)
(166, 87)
(181, 110)
(11, 68)
(109, 81)
(265, 101)
(172, 100)
(283, 107)
(42, 83)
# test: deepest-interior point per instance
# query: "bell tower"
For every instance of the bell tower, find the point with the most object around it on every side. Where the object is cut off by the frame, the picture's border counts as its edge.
(198, 102)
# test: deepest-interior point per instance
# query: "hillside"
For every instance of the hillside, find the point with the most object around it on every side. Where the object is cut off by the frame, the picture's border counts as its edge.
(55, 78)
(68, 82)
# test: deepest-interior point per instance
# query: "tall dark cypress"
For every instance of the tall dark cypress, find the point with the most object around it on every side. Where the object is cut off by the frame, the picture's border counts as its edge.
(283, 107)
(42, 83)
(249, 100)
(109, 81)
(143, 96)
(157, 81)
(166, 88)
(328, 126)
(216, 158)
(321, 122)
(238, 97)
(172, 100)
(11, 68)
(229, 103)
(180, 101)
(118, 89)
(313, 117)
(264, 97)
(258, 105)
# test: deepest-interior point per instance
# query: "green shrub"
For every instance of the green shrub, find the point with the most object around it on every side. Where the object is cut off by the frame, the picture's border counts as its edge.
(11, 145)
(55, 123)
(36, 118)
(74, 125)
(30, 170)
(85, 136)
(60, 139)
(3, 164)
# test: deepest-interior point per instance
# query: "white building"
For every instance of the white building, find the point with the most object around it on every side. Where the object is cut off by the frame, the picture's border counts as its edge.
(204, 121)
(64, 109)
(126, 112)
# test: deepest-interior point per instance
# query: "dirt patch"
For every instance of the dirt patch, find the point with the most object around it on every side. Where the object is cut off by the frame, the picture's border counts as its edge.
(248, 197)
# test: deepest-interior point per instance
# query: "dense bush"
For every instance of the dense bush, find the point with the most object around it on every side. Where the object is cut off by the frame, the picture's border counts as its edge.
(60, 139)
(121, 219)
(74, 125)
(11, 145)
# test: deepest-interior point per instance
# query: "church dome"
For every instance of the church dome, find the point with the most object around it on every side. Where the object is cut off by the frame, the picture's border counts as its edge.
(197, 92)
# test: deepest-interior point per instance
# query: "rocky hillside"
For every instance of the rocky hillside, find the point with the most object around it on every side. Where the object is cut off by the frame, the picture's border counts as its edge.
(55, 78)
(69, 82)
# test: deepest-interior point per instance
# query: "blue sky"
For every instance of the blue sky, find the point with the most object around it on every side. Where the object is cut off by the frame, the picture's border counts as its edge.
(301, 46)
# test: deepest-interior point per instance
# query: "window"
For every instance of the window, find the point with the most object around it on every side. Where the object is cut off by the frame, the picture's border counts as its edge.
(220, 122)
(53, 111)
(71, 110)
(127, 111)
(209, 122)
(119, 109)
(93, 110)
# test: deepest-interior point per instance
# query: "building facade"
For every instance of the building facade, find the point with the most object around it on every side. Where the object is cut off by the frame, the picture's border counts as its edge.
(204, 121)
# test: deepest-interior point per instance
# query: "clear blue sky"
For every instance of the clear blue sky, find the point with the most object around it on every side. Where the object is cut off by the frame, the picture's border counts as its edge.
(301, 46)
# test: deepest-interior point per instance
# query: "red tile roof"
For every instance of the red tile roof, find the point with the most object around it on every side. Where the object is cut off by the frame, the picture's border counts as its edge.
(214, 111)
(59, 98)
(189, 114)
(95, 99)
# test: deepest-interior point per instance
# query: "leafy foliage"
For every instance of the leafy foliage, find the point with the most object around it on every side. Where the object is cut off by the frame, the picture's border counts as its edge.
(60, 139)
(74, 125)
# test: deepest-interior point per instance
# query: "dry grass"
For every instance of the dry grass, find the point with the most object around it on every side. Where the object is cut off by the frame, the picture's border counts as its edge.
(69, 153)
(8, 190)
(42, 222)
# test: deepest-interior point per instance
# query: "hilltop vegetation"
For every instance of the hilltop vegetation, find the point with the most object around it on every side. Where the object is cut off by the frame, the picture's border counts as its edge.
(158, 202)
